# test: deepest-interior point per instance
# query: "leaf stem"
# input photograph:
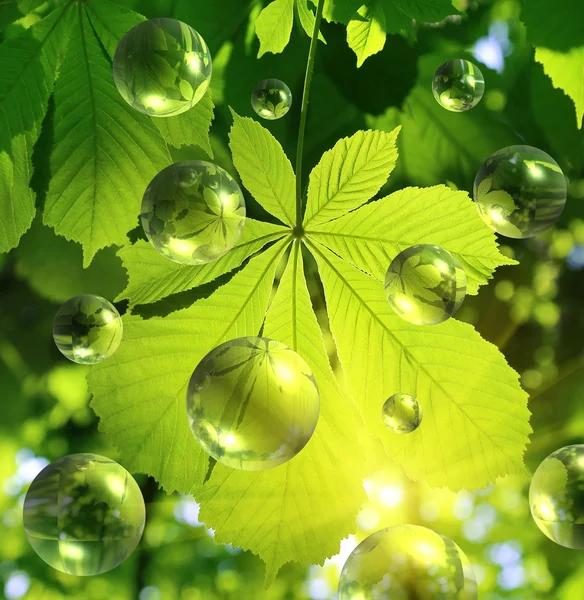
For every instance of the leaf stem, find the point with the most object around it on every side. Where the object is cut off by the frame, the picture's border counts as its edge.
(303, 115)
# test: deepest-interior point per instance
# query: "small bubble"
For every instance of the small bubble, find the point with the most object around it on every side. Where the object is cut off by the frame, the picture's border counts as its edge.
(87, 329)
(402, 413)
(271, 99)
(425, 284)
(458, 85)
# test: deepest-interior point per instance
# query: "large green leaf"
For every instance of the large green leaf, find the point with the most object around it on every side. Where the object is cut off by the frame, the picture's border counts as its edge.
(300, 510)
(140, 393)
(475, 426)
(371, 236)
(263, 167)
(152, 276)
(566, 70)
(28, 67)
(349, 174)
(106, 153)
(274, 26)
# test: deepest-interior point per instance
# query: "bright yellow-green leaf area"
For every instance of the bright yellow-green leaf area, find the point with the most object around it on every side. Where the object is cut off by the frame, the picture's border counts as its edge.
(475, 426)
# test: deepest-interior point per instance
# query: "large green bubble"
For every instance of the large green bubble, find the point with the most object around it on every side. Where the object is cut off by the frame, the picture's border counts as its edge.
(253, 403)
(406, 562)
(84, 514)
(162, 67)
(556, 496)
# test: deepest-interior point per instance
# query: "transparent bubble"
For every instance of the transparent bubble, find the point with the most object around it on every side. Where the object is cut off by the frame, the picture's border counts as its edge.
(193, 212)
(271, 99)
(402, 413)
(84, 514)
(556, 496)
(87, 329)
(405, 562)
(252, 403)
(425, 284)
(520, 191)
(458, 85)
(162, 67)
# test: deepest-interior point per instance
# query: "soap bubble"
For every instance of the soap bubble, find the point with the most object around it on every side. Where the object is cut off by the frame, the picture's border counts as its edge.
(520, 191)
(425, 284)
(162, 67)
(84, 514)
(458, 85)
(402, 413)
(556, 496)
(193, 212)
(407, 561)
(252, 403)
(271, 99)
(87, 329)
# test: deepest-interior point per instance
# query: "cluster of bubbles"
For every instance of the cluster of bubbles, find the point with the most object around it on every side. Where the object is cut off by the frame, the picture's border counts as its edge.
(84, 514)
(252, 403)
(520, 191)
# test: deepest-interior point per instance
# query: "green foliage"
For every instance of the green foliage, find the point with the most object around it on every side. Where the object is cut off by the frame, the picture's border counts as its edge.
(371, 236)
(306, 18)
(366, 34)
(559, 40)
(367, 23)
(31, 61)
(152, 276)
(558, 29)
(53, 267)
(349, 174)
(367, 28)
(566, 70)
(319, 290)
(450, 369)
(274, 25)
(263, 167)
(104, 150)
(365, 331)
